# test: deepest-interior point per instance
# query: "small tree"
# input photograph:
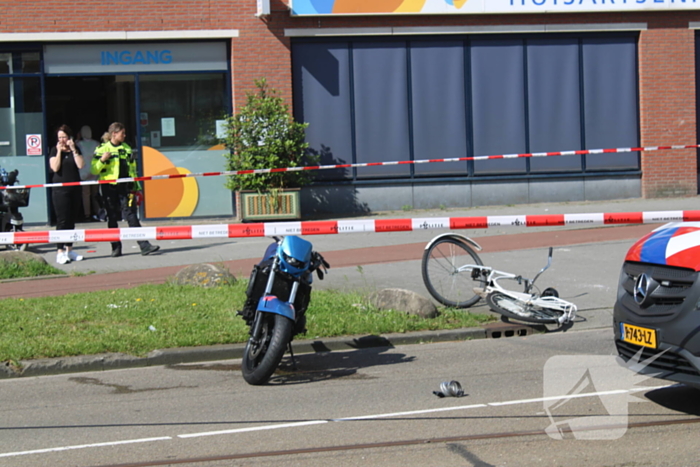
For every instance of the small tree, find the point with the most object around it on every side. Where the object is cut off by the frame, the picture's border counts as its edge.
(263, 135)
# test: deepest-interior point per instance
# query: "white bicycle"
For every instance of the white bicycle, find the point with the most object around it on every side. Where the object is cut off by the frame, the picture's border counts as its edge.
(455, 276)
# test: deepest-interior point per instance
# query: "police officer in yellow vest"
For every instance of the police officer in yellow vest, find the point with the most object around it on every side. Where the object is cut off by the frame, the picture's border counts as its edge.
(114, 159)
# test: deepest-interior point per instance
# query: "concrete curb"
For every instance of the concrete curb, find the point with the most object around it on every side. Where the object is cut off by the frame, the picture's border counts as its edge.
(103, 362)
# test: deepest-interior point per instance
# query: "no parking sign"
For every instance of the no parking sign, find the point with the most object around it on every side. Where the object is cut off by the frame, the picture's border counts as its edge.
(33, 145)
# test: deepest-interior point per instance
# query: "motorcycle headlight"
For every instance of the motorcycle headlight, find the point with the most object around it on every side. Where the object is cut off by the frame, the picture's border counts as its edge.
(292, 261)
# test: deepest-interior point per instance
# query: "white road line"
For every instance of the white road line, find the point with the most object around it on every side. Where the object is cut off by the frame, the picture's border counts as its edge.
(425, 411)
(651, 388)
(254, 428)
(320, 422)
(558, 398)
(413, 412)
(84, 446)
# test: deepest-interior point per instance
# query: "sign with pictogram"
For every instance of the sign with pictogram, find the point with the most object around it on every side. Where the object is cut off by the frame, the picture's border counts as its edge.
(34, 145)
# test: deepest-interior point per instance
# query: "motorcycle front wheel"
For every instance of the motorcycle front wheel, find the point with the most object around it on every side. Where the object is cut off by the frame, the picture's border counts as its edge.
(261, 359)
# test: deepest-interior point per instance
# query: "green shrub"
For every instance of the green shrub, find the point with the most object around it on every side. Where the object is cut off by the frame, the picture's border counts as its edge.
(263, 135)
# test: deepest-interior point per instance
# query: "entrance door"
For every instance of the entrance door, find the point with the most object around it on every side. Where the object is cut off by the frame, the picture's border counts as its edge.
(93, 101)
(96, 101)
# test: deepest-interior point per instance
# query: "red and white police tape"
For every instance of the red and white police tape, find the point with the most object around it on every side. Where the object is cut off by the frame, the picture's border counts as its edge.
(268, 229)
(348, 166)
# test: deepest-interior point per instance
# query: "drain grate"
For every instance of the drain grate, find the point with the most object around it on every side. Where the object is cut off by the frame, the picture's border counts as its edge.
(499, 330)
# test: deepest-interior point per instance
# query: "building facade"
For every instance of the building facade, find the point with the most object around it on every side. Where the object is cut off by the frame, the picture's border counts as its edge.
(377, 81)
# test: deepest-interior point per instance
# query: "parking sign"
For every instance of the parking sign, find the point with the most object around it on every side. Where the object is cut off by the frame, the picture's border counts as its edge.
(34, 145)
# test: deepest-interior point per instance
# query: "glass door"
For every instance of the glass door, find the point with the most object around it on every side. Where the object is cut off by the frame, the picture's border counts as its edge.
(179, 116)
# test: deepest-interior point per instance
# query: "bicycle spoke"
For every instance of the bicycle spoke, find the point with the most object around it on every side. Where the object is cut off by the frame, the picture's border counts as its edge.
(450, 262)
(442, 275)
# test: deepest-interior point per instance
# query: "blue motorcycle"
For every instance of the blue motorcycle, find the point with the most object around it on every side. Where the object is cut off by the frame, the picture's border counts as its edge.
(277, 297)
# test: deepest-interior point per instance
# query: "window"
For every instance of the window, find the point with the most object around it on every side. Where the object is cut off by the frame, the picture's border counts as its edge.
(372, 100)
(178, 118)
(180, 111)
(20, 113)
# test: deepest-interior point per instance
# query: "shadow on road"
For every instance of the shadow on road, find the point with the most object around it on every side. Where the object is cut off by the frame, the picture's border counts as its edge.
(323, 366)
(678, 397)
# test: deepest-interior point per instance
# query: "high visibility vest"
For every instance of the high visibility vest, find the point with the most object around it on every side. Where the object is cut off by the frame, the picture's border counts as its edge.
(121, 165)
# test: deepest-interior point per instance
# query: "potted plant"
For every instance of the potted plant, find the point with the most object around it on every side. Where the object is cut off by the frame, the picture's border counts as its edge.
(263, 135)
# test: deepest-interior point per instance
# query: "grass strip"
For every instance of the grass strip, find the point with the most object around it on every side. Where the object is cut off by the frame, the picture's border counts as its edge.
(20, 268)
(149, 317)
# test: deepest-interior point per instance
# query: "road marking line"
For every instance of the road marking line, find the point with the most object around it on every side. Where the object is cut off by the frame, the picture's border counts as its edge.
(558, 398)
(84, 446)
(416, 412)
(320, 422)
(255, 428)
(413, 412)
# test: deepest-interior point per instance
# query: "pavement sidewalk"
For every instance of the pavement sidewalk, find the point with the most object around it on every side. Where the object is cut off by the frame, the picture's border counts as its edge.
(346, 258)
(586, 265)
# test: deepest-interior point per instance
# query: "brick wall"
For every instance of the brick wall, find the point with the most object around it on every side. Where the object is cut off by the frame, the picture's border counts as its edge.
(262, 50)
(666, 56)
(124, 15)
(667, 110)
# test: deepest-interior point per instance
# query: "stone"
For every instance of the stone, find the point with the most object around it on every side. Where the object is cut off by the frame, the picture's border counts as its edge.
(204, 275)
(404, 300)
(11, 256)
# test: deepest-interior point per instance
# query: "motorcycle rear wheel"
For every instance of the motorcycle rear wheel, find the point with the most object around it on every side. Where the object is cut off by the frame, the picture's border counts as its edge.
(260, 360)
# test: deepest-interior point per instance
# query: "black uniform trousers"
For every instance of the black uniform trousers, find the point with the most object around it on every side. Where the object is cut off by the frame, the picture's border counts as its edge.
(116, 201)
(66, 205)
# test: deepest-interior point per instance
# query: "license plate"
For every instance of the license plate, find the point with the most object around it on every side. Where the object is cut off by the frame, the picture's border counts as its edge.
(637, 335)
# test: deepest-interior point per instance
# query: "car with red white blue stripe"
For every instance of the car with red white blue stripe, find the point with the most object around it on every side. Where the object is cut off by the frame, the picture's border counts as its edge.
(657, 311)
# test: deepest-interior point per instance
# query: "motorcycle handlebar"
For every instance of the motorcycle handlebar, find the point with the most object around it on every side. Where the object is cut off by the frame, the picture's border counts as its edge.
(317, 261)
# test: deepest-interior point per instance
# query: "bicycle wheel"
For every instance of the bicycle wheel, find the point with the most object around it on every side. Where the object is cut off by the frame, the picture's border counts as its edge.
(511, 308)
(441, 275)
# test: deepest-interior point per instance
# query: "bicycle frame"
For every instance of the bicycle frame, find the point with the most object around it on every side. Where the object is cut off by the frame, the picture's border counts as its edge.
(527, 298)
(455, 284)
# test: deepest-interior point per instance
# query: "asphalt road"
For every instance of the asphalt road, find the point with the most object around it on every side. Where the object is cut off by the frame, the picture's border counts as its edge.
(203, 414)
(363, 407)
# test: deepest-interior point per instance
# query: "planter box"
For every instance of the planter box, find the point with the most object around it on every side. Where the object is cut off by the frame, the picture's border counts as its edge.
(254, 206)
